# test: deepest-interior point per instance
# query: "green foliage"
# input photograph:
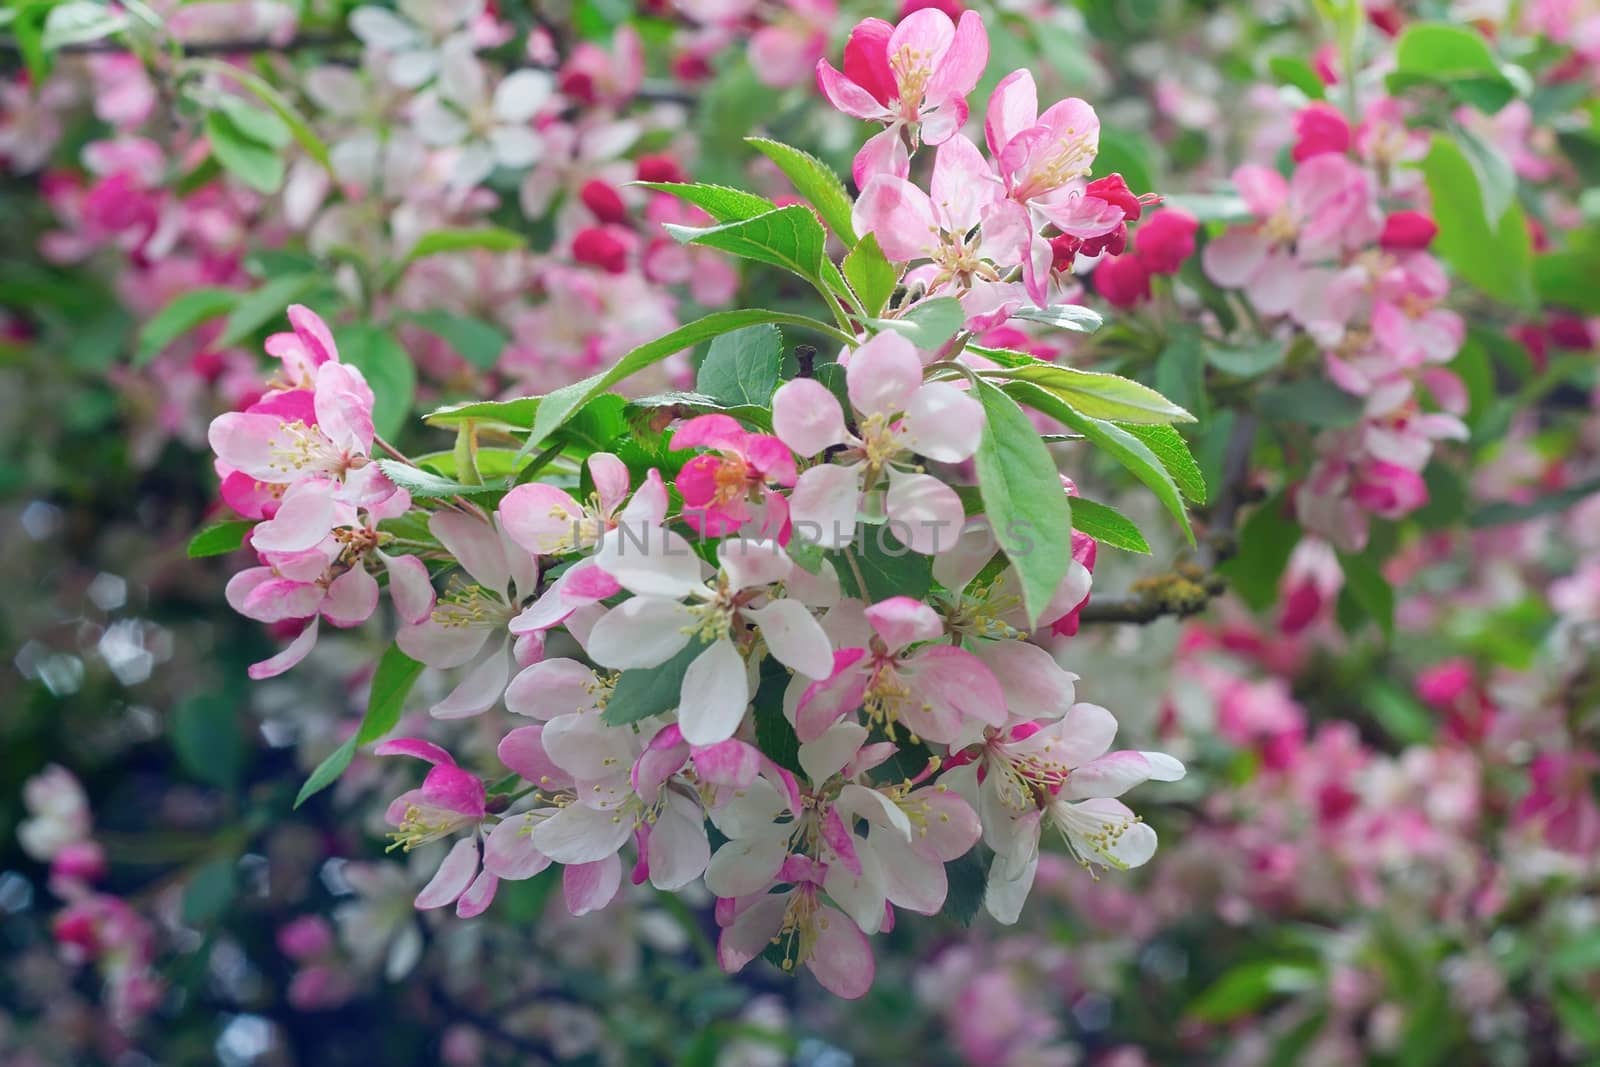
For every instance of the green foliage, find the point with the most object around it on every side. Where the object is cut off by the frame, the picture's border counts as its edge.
(1023, 497)
(1455, 57)
(477, 341)
(816, 182)
(870, 275)
(928, 324)
(219, 538)
(742, 367)
(1094, 394)
(182, 314)
(649, 691)
(788, 237)
(1493, 253)
(391, 684)
(1107, 525)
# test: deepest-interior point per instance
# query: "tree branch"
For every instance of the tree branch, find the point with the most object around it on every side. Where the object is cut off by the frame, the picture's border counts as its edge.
(1192, 585)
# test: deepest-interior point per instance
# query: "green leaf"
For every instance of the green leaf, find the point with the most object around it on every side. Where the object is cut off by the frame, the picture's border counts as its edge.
(298, 127)
(387, 368)
(555, 409)
(1028, 510)
(258, 165)
(1180, 369)
(1295, 71)
(742, 367)
(184, 313)
(683, 405)
(205, 735)
(1249, 986)
(788, 237)
(1107, 525)
(1401, 715)
(262, 127)
(79, 22)
(1311, 401)
(1453, 56)
(966, 879)
(1497, 182)
(515, 414)
(219, 539)
(870, 275)
(1074, 317)
(1492, 254)
(1173, 451)
(489, 238)
(391, 684)
(1501, 513)
(1578, 956)
(816, 182)
(1266, 540)
(477, 341)
(327, 772)
(1097, 395)
(774, 734)
(1212, 207)
(649, 691)
(887, 566)
(1368, 590)
(426, 485)
(1567, 279)
(254, 310)
(720, 202)
(1247, 361)
(1115, 440)
(210, 891)
(928, 324)
(1126, 153)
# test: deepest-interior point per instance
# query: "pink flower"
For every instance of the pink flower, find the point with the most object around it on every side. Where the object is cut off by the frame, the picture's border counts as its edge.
(1320, 127)
(728, 489)
(1389, 490)
(786, 50)
(807, 930)
(548, 521)
(1561, 804)
(449, 801)
(662, 571)
(932, 691)
(1310, 583)
(896, 416)
(970, 232)
(914, 78)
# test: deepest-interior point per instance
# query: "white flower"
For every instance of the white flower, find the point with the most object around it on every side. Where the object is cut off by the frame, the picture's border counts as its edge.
(487, 131)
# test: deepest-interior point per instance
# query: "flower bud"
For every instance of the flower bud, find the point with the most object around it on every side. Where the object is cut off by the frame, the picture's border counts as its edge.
(1114, 190)
(599, 247)
(1320, 128)
(1405, 231)
(1123, 281)
(604, 201)
(1166, 241)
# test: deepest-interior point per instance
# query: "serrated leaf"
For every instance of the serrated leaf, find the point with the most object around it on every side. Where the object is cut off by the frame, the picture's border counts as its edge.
(1366, 587)
(478, 342)
(1022, 494)
(1173, 451)
(1114, 440)
(219, 539)
(928, 324)
(255, 309)
(556, 408)
(871, 276)
(1107, 525)
(1295, 71)
(720, 202)
(1097, 395)
(206, 738)
(742, 366)
(426, 485)
(182, 314)
(489, 238)
(514, 414)
(649, 691)
(387, 368)
(788, 237)
(1074, 317)
(816, 182)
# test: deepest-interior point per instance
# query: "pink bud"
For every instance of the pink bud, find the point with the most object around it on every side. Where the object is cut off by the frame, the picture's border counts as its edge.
(1123, 281)
(1442, 684)
(600, 248)
(1113, 189)
(1405, 231)
(604, 201)
(1320, 128)
(660, 168)
(305, 937)
(81, 861)
(1166, 241)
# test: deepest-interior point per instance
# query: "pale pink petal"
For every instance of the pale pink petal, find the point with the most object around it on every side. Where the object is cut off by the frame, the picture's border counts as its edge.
(902, 621)
(611, 479)
(747, 865)
(476, 546)
(306, 515)
(455, 874)
(899, 214)
(716, 691)
(522, 750)
(963, 62)
(824, 702)
(884, 375)
(1109, 776)
(806, 416)
(416, 747)
(1035, 685)
(479, 895)
(846, 95)
(749, 935)
(249, 443)
(649, 560)
(293, 653)
(883, 154)
(677, 849)
(925, 514)
(751, 564)
(352, 598)
(842, 958)
(441, 646)
(950, 686)
(945, 423)
(509, 851)
(829, 754)
(731, 762)
(478, 691)
(541, 518)
(641, 632)
(824, 505)
(794, 637)
(1233, 258)
(586, 748)
(1013, 107)
(552, 687)
(410, 589)
(581, 834)
(591, 886)
(943, 119)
